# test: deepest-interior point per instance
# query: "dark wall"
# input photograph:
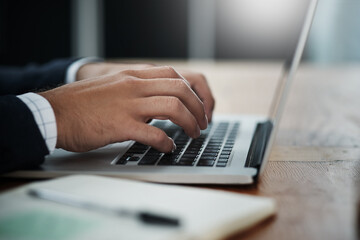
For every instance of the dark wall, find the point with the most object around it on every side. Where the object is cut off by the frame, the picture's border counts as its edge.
(34, 31)
(151, 29)
(40, 30)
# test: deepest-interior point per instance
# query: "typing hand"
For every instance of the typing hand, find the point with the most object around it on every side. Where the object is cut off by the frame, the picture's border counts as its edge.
(115, 107)
(196, 80)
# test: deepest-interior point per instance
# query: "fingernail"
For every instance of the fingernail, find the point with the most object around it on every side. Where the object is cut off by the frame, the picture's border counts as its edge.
(197, 132)
(207, 120)
(174, 148)
(210, 117)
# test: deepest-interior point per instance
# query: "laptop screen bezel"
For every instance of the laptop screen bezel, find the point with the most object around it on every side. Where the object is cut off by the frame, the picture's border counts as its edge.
(286, 80)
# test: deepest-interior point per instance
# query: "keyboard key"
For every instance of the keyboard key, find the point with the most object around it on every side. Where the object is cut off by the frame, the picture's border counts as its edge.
(223, 160)
(209, 155)
(226, 152)
(150, 157)
(121, 161)
(192, 144)
(204, 157)
(148, 161)
(221, 164)
(138, 148)
(226, 148)
(192, 151)
(168, 159)
(211, 145)
(224, 156)
(195, 148)
(124, 159)
(133, 159)
(189, 155)
(210, 151)
(166, 162)
(206, 163)
(153, 152)
(197, 144)
(217, 139)
(185, 163)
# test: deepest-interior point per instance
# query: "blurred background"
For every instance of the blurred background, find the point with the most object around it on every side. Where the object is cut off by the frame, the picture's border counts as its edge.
(38, 31)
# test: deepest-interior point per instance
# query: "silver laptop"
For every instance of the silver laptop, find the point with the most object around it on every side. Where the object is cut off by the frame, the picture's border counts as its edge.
(234, 149)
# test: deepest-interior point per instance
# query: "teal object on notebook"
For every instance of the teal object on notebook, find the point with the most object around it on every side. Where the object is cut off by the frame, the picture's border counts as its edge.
(42, 224)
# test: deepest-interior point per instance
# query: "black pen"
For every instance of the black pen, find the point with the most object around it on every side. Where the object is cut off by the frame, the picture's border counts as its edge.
(75, 201)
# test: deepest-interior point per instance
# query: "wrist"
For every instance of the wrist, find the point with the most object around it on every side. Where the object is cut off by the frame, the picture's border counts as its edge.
(51, 98)
(72, 71)
(90, 70)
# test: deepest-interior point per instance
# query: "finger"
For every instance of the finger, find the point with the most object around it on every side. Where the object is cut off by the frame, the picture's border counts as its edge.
(177, 88)
(152, 136)
(161, 107)
(201, 87)
(204, 93)
(155, 72)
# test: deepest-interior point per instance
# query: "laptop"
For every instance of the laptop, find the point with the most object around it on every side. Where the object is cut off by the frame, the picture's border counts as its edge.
(234, 149)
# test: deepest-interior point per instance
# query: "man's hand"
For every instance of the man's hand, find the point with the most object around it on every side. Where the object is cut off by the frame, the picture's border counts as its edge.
(116, 107)
(197, 80)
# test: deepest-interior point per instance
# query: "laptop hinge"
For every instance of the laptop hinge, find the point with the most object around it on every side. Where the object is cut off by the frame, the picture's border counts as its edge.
(258, 145)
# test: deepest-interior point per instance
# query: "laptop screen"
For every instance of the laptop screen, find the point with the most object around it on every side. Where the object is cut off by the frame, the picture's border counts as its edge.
(291, 65)
(287, 77)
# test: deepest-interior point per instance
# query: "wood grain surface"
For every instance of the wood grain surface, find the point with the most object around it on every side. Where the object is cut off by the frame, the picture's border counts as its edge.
(314, 168)
(316, 200)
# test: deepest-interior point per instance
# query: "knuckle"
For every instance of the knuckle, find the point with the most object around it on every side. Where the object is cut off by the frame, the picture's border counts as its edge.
(131, 72)
(174, 104)
(119, 75)
(180, 84)
(127, 72)
(131, 80)
(171, 70)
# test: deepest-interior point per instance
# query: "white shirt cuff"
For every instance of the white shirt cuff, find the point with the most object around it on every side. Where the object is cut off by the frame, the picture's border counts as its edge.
(75, 66)
(44, 117)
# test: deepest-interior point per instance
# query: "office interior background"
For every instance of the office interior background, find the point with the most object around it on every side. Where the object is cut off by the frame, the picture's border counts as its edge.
(38, 31)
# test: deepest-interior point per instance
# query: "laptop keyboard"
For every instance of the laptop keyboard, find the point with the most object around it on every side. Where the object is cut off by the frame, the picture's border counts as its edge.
(212, 149)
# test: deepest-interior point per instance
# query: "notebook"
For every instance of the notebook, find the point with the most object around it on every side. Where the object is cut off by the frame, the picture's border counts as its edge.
(202, 213)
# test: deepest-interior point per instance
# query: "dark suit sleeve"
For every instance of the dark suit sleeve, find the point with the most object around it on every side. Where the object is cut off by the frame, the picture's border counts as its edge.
(17, 80)
(21, 143)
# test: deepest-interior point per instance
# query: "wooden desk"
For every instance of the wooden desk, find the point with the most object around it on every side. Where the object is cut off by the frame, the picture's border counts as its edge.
(314, 168)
